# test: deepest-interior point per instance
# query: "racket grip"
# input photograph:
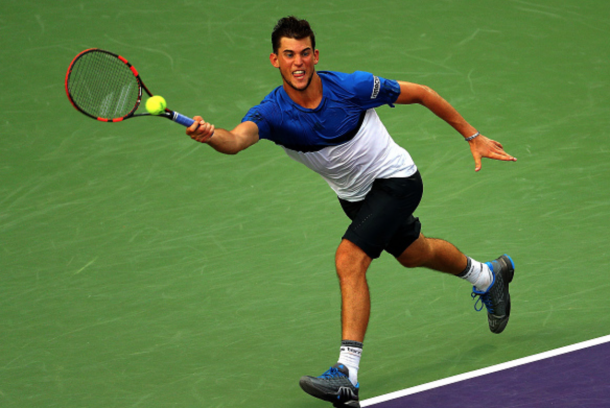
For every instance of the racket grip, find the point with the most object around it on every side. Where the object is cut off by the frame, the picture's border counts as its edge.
(183, 120)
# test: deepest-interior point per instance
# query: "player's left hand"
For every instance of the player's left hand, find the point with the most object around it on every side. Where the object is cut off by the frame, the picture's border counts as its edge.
(482, 146)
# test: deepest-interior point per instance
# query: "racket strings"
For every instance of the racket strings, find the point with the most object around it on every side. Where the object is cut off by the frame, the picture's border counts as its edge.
(103, 86)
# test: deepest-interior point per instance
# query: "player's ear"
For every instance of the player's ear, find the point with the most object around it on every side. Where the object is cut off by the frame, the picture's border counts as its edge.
(316, 57)
(274, 60)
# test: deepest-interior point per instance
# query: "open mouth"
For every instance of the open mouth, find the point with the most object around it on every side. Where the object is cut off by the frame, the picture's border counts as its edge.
(299, 74)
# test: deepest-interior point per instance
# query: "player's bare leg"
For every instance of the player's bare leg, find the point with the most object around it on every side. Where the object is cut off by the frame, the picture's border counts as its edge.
(340, 383)
(490, 279)
(434, 254)
(352, 264)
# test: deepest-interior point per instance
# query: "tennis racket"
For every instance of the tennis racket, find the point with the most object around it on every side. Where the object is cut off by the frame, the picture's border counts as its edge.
(106, 87)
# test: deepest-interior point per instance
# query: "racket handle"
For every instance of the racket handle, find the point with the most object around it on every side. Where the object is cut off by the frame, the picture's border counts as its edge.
(183, 120)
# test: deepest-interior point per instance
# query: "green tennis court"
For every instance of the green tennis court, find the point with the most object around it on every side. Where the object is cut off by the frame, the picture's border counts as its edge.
(141, 269)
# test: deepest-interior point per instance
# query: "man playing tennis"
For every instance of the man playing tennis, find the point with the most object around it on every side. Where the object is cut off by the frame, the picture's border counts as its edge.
(326, 120)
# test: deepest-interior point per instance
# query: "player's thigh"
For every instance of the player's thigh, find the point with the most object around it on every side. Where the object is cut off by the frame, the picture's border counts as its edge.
(381, 221)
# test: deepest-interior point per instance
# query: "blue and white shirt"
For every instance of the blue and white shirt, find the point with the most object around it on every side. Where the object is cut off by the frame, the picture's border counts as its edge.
(342, 139)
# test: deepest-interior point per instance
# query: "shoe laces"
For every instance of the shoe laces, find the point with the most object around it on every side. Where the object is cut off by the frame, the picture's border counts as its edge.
(333, 372)
(484, 297)
(483, 300)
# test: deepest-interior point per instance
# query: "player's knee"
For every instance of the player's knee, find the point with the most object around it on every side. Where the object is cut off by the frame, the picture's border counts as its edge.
(351, 261)
(347, 266)
(411, 260)
(417, 254)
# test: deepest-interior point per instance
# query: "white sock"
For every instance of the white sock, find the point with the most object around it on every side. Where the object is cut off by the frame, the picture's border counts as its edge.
(350, 357)
(478, 274)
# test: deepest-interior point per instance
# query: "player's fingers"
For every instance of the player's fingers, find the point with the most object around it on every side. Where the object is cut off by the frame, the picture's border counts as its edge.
(204, 128)
(503, 156)
(496, 151)
(209, 132)
(506, 157)
(477, 163)
(205, 132)
(500, 154)
(193, 128)
(498, 144)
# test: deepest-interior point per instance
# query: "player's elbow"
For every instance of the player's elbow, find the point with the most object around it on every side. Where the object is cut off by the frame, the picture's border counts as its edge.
(426, 94)
(234, 149)
(224, 149)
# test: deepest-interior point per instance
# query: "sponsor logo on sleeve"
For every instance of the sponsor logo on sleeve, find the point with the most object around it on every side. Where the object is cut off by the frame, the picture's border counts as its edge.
(376, 87)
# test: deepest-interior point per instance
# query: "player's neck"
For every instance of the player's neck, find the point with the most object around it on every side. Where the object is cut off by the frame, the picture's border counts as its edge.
(309, 98)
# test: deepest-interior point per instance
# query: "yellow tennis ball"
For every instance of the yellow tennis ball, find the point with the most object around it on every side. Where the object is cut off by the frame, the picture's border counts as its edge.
(155, 105)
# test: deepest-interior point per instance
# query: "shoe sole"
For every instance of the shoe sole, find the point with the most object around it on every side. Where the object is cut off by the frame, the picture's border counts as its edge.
(508, 277)
(312, 390)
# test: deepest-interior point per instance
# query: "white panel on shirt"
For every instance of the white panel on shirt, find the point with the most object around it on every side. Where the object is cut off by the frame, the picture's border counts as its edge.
(350, 168)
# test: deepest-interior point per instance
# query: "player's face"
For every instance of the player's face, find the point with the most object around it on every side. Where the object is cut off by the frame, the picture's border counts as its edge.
(296, 60)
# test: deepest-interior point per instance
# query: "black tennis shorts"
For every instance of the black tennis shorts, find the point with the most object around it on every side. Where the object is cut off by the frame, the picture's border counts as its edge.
(384, 219)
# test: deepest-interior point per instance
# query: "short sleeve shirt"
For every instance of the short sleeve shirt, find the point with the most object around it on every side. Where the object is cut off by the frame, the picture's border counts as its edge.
(346, 97)
(342, 139)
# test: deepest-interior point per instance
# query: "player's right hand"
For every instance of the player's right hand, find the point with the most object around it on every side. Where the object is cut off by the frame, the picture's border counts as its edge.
(201, 131)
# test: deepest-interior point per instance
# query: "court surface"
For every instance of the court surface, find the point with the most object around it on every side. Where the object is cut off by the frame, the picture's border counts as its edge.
(141, 269)
(573, 376)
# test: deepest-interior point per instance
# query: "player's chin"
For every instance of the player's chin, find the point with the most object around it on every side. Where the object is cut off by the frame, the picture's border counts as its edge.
(300, 85)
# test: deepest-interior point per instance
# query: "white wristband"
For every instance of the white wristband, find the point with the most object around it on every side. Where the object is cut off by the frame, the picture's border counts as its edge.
(468, 139)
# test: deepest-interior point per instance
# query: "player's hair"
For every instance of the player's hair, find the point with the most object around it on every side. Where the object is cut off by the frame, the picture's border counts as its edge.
(291, 27)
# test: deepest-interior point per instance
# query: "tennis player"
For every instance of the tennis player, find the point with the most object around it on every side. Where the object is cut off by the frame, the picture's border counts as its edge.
(327, 121)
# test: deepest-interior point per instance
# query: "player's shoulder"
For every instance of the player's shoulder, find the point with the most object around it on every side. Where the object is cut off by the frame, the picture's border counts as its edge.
(274, 96)
(357, 83)
(272, 108)
(354, 77)
(272, 101)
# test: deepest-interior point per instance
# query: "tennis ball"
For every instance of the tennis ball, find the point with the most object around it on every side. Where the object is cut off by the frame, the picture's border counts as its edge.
(155, 105)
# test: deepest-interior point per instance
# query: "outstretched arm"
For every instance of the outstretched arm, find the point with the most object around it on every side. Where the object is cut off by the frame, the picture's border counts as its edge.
(224, 141)
(480, 146)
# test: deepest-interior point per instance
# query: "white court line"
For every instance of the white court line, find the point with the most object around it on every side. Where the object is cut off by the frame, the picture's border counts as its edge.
(484, 371)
